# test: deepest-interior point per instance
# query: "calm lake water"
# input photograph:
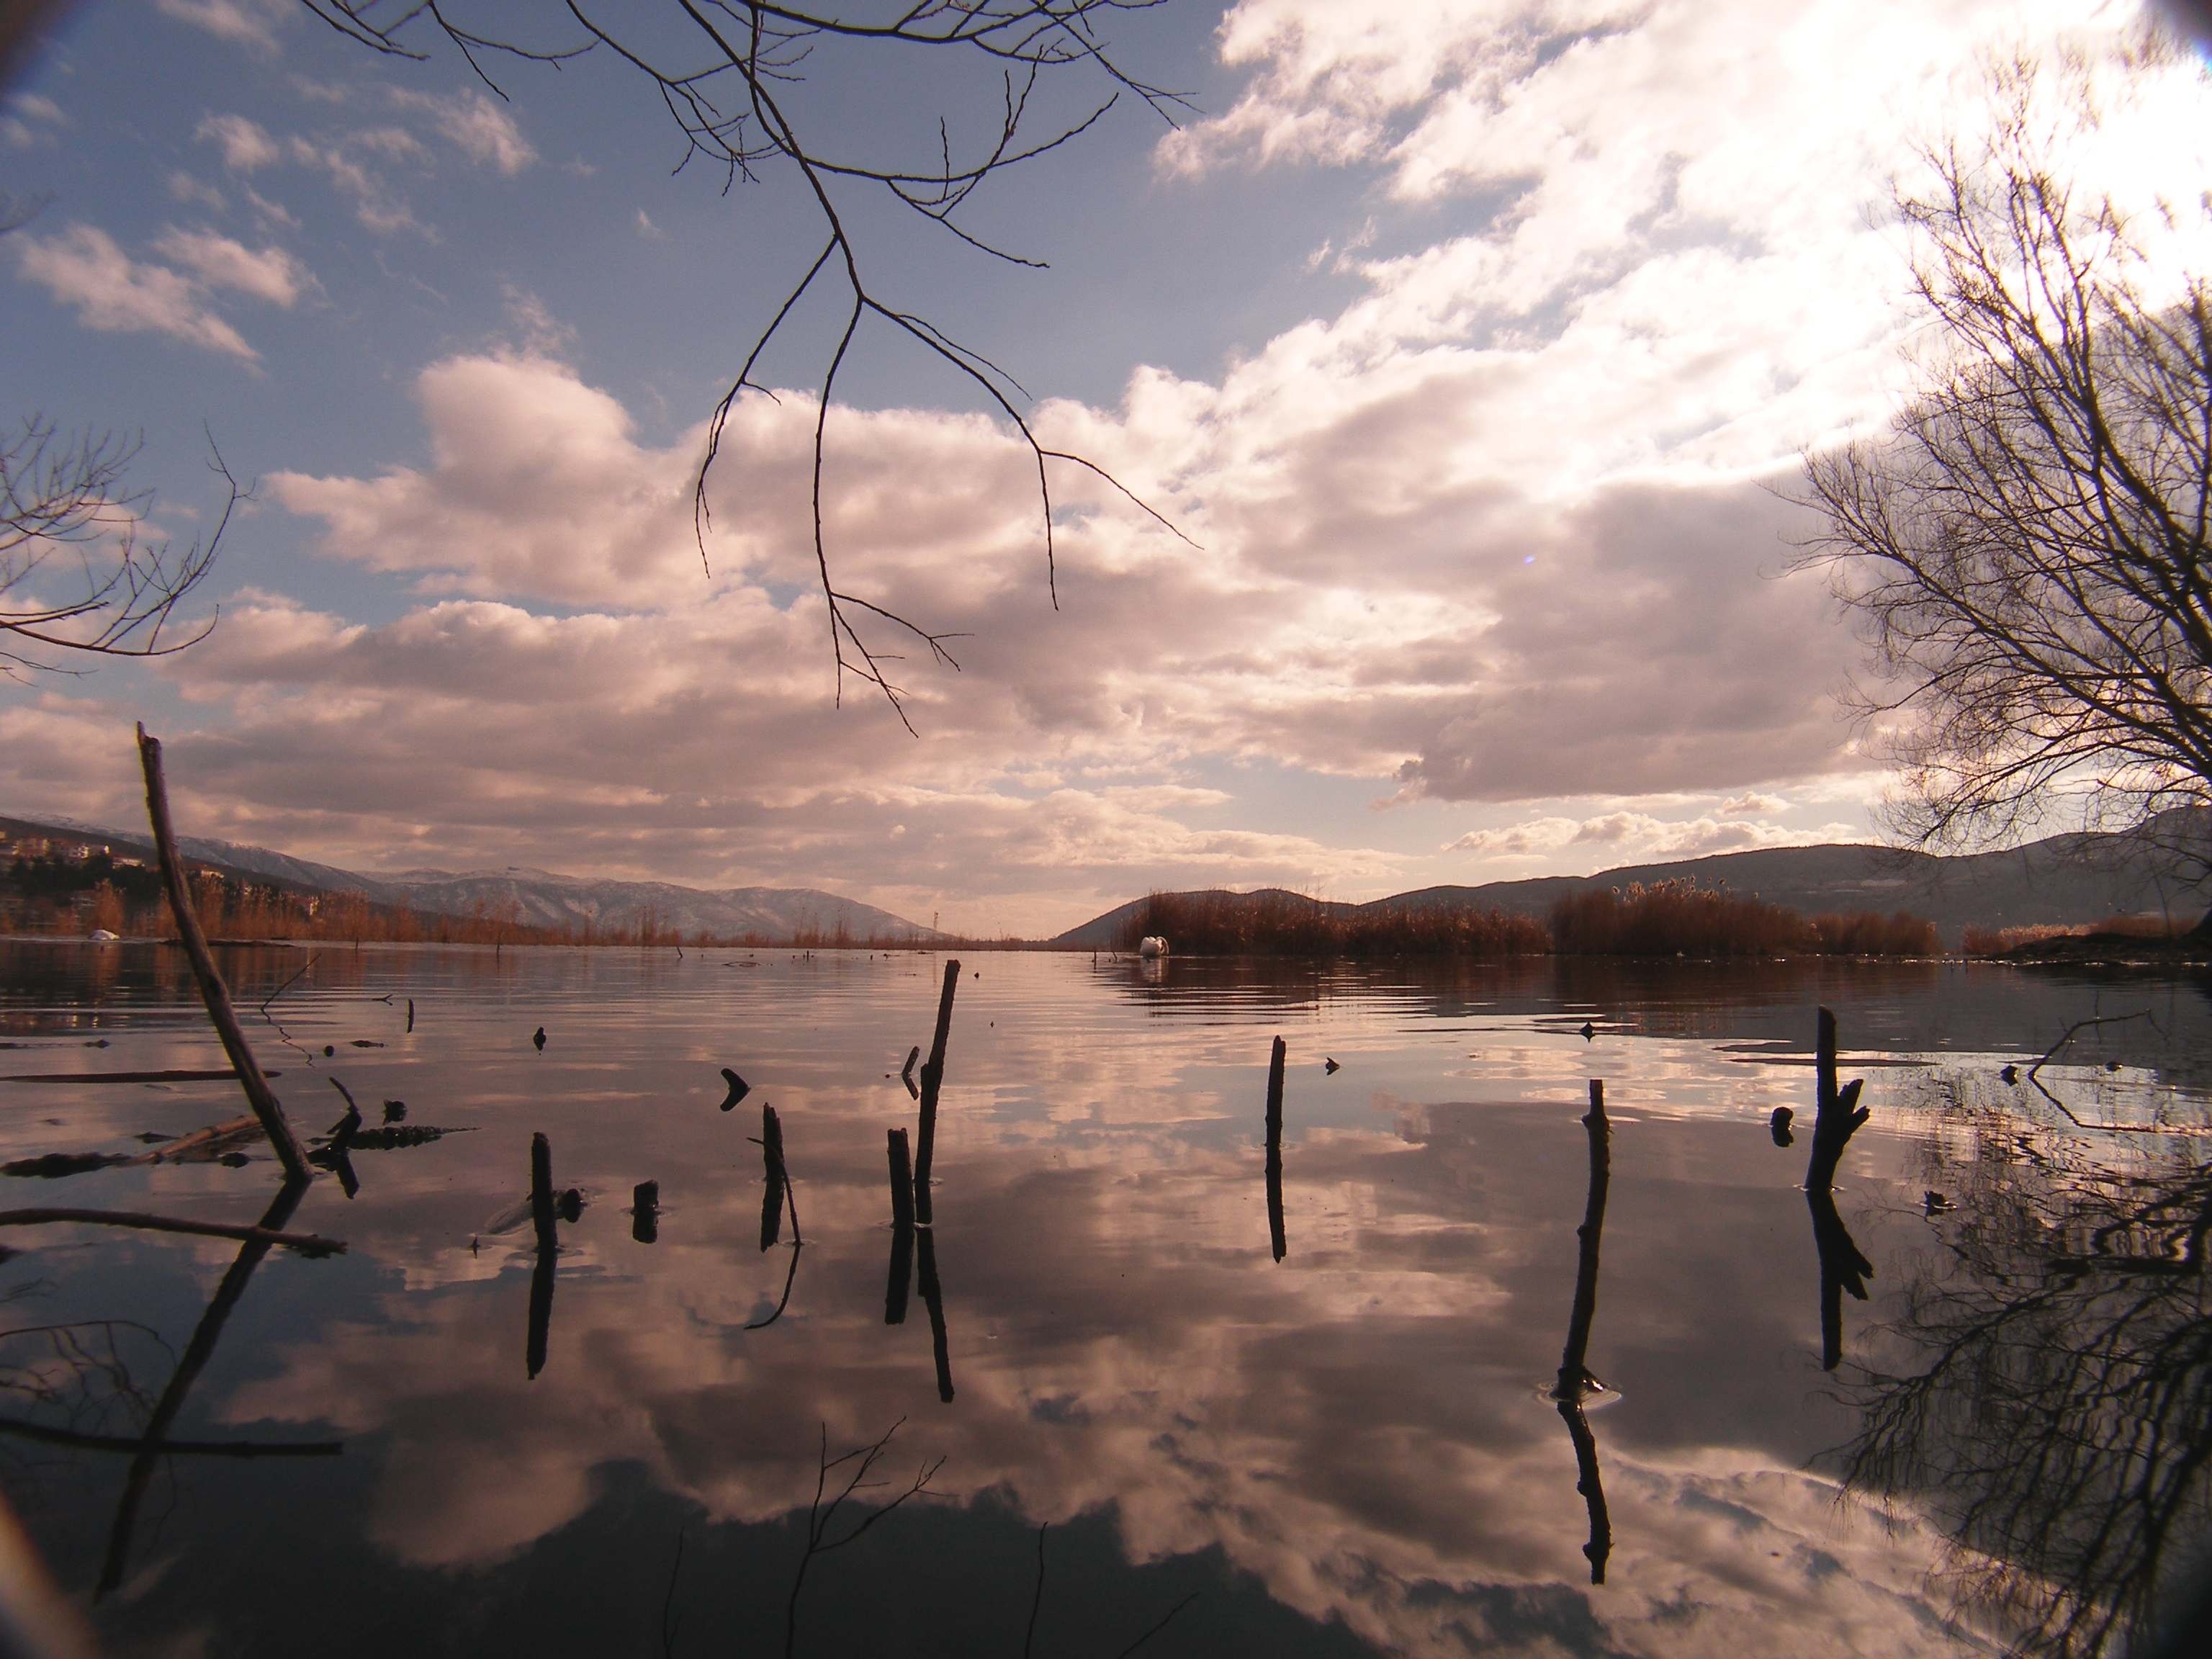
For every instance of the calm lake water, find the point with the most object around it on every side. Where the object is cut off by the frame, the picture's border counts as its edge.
(1158, 1437)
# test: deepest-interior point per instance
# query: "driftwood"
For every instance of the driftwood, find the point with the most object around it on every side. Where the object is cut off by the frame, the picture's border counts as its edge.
(188, 1074)
(305, 1243)
(48, 1435)
(203, 1143)
(1275, 1148)
(258, 1094)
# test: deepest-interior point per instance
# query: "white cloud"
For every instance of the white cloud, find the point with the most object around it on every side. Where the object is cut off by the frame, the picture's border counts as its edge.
(1631, 837)
(1752, 804)
(646, 228)
(183, 187)
(474, 125)
(246, 146)
(268, 273)
(36, 106)
(250, 23)
(83, 268)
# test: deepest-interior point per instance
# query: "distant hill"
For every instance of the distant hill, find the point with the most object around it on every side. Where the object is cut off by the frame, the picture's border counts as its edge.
(2064, 881)
(543, 897)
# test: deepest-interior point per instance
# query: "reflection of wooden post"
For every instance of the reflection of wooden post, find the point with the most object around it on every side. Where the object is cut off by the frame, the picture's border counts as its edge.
(1842, 1267)
(933, 1298)
(777, 1182)
(932, 1079)
(258, 1094)
(543, 1221)
(1839, 1113)
(1574, 1379)
(1275, 1148)
(197, 1354)
(902, 1266)
(1574, 1373)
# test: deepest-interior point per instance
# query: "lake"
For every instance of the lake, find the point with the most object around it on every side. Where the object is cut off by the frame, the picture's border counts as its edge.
(1108, 1420)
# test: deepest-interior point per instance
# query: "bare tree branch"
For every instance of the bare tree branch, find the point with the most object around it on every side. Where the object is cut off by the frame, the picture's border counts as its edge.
(727, 100)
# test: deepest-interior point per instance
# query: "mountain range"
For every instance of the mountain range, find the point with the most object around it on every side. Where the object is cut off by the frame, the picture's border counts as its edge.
(543, 897)
(2066, 880)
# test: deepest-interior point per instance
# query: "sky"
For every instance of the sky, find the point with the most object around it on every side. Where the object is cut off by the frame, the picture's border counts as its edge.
(1467, 350)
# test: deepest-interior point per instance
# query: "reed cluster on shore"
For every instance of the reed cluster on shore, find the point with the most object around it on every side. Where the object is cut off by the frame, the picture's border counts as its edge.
(1664, 918)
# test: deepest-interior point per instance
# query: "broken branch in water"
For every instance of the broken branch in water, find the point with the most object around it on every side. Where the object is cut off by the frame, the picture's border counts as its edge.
(305, 1243)
(213, 992)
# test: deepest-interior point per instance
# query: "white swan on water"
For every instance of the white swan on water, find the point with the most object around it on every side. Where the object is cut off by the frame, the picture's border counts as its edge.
(1152, 945)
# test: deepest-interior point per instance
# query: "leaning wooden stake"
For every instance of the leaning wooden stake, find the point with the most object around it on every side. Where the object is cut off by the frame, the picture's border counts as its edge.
(258, 1094)
(932, 1079)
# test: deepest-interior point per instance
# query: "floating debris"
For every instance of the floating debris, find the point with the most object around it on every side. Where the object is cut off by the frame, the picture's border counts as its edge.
(2010, 1074)
(1589, 1030)
(537, 1039)
(739, 1089)
(1778, 1126)
(1330, 1068)
(52, 1166)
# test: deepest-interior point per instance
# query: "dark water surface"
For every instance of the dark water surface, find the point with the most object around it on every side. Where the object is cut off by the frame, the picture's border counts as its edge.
(1158, 1438)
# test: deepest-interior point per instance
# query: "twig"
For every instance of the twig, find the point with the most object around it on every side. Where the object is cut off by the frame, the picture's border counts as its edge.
(1157, 1628)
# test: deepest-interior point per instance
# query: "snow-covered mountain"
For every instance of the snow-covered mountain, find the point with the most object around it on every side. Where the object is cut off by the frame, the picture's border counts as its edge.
(542, 896)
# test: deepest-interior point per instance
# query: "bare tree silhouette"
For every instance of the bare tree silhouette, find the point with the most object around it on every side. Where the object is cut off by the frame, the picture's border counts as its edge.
(727, 71)
(2026, 551)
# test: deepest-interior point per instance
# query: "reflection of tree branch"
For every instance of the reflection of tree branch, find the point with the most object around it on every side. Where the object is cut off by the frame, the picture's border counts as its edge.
(198, 1352)
(2063, 1414)
(820, 1519)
